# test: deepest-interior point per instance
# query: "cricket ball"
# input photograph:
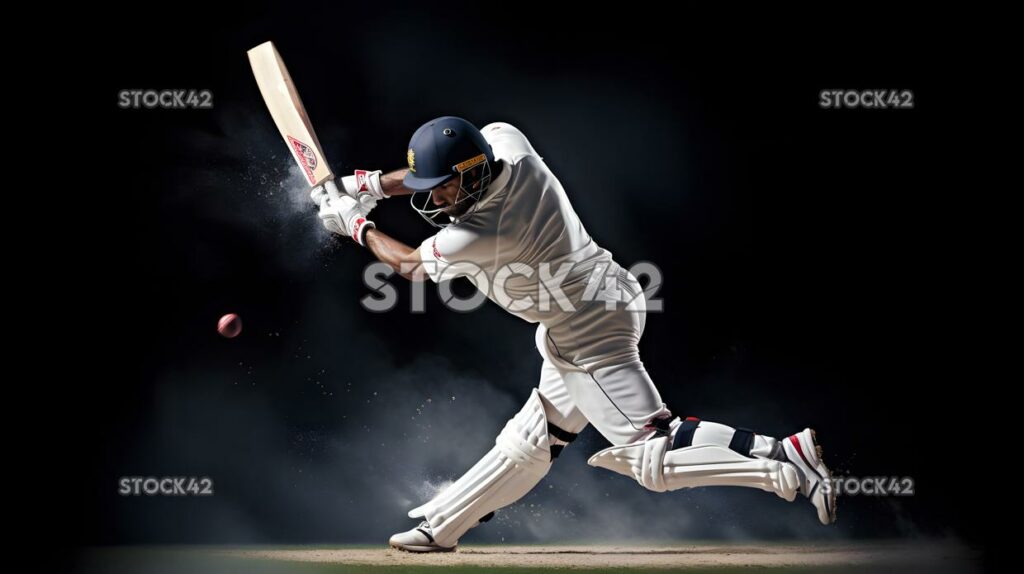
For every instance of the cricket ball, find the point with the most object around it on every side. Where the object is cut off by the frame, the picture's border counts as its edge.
(230, 325)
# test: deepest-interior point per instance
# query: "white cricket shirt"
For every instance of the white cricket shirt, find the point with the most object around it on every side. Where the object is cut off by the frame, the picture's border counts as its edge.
(523, 227)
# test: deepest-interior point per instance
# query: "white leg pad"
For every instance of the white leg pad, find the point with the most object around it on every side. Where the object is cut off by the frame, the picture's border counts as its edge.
(520, 458)
(659, 469)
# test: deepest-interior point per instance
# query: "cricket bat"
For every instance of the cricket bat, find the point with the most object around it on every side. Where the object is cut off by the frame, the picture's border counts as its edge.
(288, 112)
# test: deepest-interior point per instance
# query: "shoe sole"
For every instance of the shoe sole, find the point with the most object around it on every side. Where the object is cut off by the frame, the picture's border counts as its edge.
(423, 549)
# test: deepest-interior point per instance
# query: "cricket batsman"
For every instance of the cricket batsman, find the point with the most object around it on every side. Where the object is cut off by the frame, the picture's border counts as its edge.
(506, 224)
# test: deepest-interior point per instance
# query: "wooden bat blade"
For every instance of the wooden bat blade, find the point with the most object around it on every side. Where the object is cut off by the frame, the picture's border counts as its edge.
(289, 114)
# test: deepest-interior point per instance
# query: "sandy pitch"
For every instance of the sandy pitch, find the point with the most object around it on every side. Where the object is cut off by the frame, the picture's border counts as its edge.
(941, 554)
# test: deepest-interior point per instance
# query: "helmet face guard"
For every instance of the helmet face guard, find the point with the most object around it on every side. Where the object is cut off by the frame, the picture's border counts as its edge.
(474, 178)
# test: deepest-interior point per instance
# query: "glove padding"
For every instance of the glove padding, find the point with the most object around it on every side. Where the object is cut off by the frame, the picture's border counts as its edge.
(320, 192)
(363, 181)
(363, 186)
(342, 214)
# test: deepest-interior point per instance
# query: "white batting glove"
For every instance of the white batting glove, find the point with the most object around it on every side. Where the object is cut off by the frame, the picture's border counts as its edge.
(364, 186)
(319, 193)
(344, 215)
(363, 181)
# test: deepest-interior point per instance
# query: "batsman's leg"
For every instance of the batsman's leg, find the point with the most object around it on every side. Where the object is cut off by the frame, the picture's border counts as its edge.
(597, 352)
(691, 452)
(522, 455)
(662, 452)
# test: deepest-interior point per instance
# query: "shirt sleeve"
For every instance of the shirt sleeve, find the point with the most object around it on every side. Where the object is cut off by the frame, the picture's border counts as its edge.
(453, 252)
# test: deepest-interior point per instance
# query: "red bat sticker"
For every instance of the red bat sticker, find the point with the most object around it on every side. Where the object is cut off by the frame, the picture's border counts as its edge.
(307, 159)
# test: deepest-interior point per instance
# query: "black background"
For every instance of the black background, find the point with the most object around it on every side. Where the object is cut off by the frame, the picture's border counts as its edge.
(806, 257)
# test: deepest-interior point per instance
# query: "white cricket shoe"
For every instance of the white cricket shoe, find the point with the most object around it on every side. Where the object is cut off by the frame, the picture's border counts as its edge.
(419, 539)
(802, 450)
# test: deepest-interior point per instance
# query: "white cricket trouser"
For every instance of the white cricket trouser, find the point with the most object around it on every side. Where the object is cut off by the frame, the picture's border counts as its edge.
(593, 373)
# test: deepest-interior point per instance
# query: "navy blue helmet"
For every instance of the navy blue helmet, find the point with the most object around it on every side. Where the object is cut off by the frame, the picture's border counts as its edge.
(442, 149)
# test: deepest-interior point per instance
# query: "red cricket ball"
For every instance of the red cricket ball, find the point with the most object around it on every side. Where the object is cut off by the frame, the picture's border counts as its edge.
(230, 325)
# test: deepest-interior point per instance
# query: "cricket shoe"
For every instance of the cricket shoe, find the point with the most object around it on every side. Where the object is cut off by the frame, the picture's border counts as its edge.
(419, 539)
(802, 450)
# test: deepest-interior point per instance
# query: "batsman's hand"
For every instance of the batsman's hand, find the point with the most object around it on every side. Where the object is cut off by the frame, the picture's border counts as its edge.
(324, 191)
(363, 186)
(364, 182)
(342, 214)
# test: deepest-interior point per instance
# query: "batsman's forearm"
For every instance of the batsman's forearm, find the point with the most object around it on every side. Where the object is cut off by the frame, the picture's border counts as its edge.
(399, 256)
(391, 183)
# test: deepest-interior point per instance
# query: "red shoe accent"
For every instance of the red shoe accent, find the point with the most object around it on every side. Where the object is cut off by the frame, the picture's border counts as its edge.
(800, 449)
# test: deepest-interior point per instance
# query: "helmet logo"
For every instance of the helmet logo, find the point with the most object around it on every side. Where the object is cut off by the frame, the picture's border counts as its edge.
(411, 156)
(470, 163)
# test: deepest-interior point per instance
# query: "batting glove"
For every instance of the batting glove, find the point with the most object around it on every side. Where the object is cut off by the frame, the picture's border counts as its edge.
(344, 215)
(323, 191)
